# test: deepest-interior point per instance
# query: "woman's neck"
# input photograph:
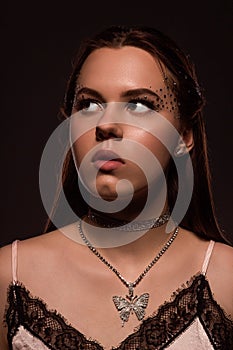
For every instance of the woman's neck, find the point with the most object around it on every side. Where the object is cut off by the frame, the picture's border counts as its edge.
(127, 248)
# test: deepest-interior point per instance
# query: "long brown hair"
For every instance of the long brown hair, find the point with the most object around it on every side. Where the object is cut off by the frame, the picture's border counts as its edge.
(200, 216)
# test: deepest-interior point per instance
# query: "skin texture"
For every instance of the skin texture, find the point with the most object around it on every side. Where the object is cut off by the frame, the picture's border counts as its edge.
(66, 275)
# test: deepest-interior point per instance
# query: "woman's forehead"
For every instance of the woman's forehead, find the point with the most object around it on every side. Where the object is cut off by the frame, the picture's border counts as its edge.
(127, 67)
(111, 72)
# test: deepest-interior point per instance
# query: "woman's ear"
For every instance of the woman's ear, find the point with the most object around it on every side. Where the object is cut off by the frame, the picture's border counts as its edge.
(185, 143)
(187, 136)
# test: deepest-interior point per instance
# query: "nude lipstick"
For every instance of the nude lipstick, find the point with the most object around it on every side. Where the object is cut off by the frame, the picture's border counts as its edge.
(107, 160)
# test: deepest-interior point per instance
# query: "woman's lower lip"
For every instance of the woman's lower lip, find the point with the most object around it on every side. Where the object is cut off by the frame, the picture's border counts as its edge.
(107, 165)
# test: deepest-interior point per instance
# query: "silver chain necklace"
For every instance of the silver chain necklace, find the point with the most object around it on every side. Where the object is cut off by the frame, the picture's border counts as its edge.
(131, 303)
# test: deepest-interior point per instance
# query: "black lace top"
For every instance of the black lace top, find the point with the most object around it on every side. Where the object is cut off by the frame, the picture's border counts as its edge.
(191, 320)
(194, 303)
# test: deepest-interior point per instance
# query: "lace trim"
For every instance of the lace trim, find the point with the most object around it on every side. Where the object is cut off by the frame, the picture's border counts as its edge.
(181, 314)
(191, 300)
(41, 321)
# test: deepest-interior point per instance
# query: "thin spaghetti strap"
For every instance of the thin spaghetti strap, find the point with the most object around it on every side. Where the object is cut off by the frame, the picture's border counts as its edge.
(14, 261)
(207, 257)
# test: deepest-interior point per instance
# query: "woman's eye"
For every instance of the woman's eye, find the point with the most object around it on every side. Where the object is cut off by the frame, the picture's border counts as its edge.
(140, 106)
(89, 106)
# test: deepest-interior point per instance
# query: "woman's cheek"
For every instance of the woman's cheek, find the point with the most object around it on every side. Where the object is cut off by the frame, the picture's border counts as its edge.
(80, 148)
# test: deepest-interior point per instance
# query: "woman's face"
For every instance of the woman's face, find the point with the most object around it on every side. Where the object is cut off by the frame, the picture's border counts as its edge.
(119, 94)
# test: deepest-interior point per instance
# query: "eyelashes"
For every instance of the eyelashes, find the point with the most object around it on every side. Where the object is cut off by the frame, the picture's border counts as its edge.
(85, 104)
(145, 101)
(138, 105)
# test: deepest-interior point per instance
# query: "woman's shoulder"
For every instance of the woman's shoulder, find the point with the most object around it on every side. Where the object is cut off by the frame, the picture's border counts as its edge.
(34, 240)
(5, 264)
(40, 240)
(29, 249)
(220, 276)
(217, 260)
(34, 253)
(221, 256)
(222, 260)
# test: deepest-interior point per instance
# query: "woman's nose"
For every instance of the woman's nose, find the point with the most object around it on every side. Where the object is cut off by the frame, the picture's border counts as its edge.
(109, 126)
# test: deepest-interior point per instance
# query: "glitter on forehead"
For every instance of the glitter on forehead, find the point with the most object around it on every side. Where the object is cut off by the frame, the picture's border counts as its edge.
(169, 92)
(168, 99)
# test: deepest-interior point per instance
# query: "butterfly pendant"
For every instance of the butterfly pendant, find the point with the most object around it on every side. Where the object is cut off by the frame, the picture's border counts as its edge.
(131, 304)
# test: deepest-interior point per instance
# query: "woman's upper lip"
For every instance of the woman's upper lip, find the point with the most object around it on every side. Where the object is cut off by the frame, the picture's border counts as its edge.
(106, 155)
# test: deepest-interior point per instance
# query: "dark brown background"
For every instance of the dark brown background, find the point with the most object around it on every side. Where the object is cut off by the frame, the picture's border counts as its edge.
(38, 42)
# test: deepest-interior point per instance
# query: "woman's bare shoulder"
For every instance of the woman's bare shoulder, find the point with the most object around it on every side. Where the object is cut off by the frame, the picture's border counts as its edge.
(36, 256)
(5, 265)
(220, 276)
(35, 246)
(222, 261)
(6, 277)
(37, 251)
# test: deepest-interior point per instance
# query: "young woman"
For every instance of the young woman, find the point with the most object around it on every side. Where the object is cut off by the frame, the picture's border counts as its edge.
(145, 265)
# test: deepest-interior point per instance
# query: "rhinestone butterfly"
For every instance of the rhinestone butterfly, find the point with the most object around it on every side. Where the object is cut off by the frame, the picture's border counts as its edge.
(131, 304)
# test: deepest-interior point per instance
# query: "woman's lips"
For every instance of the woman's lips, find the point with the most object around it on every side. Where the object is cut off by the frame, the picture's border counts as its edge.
(107, 160)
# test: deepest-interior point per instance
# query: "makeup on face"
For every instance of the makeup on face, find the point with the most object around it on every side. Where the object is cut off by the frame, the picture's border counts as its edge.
(88, 100)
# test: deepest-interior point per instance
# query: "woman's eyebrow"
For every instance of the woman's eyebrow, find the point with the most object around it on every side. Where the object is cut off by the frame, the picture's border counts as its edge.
(129, 93)
(141, 91)
(89, 91)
